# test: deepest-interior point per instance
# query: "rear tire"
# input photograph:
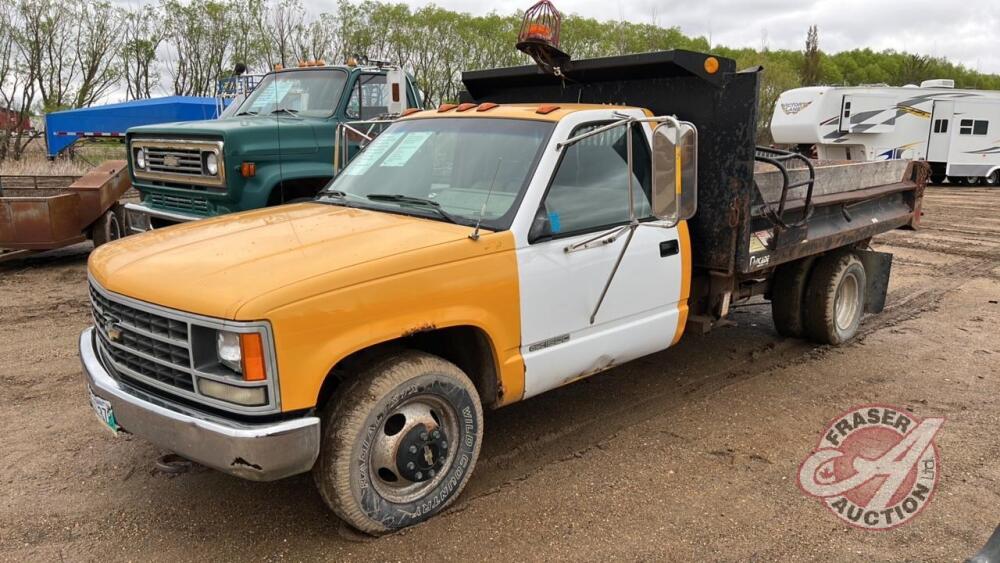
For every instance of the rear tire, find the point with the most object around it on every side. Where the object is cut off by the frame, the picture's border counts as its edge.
(993, 179)
(787, 293)
(399, 443)
(107, 228)
(835, 298)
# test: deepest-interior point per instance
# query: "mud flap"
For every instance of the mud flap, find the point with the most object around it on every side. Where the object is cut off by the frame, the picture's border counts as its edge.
(877, 265)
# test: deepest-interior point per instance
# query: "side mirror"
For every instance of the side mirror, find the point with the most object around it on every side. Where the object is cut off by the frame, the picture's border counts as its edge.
(675, 171)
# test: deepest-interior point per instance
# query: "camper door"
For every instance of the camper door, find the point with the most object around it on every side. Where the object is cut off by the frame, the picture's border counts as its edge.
(867, 113)
(939, 140)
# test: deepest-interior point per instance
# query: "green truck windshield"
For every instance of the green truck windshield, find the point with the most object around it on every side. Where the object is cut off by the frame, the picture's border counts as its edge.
(458, 163)
(311, 93)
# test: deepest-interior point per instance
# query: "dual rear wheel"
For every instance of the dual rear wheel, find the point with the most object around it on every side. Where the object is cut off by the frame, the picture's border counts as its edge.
(821, 299)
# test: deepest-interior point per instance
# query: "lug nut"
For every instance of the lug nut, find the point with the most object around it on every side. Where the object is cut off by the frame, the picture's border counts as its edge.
(436, 434)
(413, 449)
(419, 475)
(444, 444)
(423, 435)
(430, 473)
(411, 466)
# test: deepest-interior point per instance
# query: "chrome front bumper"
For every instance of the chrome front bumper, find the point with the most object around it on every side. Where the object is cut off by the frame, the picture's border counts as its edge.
(139, 217)
(259, 452)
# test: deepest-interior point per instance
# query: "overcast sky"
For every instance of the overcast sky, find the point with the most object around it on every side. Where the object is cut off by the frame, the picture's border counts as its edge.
(965, 31)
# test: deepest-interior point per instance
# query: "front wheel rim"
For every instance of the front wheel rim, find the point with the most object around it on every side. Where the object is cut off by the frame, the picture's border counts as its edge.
(847, 302)
(413, 448)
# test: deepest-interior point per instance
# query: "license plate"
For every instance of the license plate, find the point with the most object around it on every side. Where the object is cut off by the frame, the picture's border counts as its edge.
(105, 414)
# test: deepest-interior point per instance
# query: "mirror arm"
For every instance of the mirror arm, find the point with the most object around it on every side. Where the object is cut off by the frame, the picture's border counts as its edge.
(631, 232)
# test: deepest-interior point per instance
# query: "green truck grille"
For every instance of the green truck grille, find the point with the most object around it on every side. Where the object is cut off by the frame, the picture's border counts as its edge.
(190, 204)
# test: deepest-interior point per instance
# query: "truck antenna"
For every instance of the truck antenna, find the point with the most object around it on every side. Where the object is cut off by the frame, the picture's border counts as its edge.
(475, 233)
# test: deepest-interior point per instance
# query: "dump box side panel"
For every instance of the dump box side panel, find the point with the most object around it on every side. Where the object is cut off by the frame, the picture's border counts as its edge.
(723, 106)
(848, 215)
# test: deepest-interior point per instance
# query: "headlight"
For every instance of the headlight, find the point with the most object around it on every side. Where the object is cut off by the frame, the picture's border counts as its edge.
(243, 353)
(140, 158)
(212, 164)
(227, 345)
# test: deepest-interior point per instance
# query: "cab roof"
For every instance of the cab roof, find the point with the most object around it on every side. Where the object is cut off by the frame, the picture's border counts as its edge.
(538, 112)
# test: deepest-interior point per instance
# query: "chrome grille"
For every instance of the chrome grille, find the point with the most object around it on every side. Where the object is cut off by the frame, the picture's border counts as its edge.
(183, 203)
(172, 353)
(146, 345)
(175, 161)
(178, 161)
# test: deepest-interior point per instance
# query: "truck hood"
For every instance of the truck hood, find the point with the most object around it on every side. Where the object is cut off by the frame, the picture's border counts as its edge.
(214, 267)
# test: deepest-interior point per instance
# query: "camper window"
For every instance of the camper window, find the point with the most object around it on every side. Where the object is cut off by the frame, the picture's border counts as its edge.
(847, 109)
(977, 127)
(941, 126)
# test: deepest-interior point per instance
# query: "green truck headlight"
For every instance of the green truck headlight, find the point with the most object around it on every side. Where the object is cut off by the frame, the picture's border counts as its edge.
(212, 164)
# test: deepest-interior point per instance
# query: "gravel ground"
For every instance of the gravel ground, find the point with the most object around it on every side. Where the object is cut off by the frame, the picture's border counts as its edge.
(690, 454)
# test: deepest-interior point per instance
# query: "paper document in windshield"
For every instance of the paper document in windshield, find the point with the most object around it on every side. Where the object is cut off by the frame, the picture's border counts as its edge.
(406, 149)
(375, 150)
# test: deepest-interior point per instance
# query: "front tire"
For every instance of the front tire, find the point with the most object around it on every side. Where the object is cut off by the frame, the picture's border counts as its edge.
(400, 443)
(993, 179)
(835, 298)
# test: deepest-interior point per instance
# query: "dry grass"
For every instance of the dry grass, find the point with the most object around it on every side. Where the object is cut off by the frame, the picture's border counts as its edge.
(85, 156)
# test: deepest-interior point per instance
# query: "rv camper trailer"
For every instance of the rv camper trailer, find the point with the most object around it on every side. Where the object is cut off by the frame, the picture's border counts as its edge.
(957, 131)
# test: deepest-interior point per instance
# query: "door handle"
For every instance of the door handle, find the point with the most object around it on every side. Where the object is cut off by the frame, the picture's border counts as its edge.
(669, 248)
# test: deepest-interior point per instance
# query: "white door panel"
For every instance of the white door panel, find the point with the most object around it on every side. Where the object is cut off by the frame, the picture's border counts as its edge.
(560, 289)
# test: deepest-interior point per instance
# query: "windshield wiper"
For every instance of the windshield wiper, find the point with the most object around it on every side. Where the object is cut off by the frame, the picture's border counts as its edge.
(246, 113)
(289, 111)
(406, 199)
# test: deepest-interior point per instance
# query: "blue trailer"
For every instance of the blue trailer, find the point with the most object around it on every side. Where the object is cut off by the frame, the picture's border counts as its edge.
(63, 128)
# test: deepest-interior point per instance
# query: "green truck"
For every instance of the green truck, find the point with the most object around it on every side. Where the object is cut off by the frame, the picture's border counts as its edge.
(281, 142)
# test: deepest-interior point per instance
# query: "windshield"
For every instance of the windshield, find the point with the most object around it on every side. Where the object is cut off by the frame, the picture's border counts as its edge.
(313, 93)
(465, 167)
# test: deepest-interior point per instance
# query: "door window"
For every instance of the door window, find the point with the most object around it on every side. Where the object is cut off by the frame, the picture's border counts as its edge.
(941, 126)
(369, 97)
(589, 191)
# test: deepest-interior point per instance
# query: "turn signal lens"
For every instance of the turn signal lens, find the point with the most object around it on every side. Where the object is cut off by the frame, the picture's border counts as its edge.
(253, 357)
(248, 169)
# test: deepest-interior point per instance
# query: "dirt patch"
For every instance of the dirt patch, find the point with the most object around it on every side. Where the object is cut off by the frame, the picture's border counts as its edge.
(690, 454)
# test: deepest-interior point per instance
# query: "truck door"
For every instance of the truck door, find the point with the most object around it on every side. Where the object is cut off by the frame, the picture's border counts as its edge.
(588, 196)
(939, 139)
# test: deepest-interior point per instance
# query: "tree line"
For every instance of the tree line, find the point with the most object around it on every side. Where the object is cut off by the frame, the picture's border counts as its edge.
(56, 55)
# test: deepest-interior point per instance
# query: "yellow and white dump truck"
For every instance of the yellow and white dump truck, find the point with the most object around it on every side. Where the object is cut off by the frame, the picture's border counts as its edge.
(546, 229)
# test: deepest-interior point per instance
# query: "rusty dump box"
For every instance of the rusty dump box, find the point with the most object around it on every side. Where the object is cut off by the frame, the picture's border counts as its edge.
(42, 218)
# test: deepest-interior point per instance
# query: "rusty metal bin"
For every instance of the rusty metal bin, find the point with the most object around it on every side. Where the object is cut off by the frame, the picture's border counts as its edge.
(48, 218)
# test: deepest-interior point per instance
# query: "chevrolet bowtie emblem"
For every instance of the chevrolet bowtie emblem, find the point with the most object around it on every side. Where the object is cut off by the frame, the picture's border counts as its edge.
(114, 333)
